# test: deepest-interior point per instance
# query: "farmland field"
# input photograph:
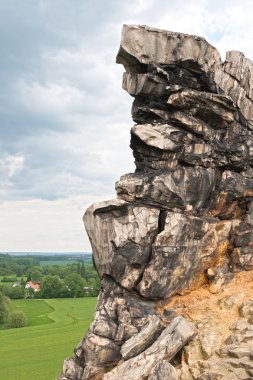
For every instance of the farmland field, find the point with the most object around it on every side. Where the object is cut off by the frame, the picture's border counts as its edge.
(55, 328)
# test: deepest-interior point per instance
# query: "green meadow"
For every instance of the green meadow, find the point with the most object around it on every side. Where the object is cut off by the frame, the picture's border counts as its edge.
(55, 327)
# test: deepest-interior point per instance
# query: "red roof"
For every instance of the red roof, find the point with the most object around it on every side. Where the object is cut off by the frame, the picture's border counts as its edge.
(35, 287)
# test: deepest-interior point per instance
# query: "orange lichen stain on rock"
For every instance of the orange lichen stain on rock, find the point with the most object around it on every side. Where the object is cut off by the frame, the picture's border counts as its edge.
(199, 280)
(219, 204)
(234, 211)
(200, 305)
(217, 260)
(225, 208)
(221, 253)
(248, 193)
(219, 226)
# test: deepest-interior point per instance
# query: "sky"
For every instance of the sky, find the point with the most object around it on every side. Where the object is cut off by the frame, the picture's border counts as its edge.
(64, 119)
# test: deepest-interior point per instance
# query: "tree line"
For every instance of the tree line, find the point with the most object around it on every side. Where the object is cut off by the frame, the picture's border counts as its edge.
(70, 280)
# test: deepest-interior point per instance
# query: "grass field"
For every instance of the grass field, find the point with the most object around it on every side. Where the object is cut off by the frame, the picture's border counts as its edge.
(11, 277)
(36, 352)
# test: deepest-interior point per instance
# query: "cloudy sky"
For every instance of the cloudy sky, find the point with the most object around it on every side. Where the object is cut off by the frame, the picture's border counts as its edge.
(64, 119)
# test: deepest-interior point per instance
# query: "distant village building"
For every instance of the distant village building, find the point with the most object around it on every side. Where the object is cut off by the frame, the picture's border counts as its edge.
(16, 284)
(87, 289)
(31, 285)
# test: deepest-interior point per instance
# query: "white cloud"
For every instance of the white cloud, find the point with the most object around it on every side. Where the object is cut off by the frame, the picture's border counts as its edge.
(139, 6)
(51, 97)
(44, 226)
(226, 24)
(10, 165)
(186, 17)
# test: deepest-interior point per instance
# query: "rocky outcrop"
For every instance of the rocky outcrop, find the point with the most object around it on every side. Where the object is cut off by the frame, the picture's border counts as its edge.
(168, 343)
(181, 224)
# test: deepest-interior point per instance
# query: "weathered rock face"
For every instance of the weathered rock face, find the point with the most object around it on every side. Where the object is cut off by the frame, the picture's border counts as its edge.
(170, 341)
(173, 189)
(182, 254)
(183, 221)
(121, 236)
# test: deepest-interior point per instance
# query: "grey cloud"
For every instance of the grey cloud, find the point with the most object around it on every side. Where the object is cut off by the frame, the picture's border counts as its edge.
(53, 171)
(62, 106)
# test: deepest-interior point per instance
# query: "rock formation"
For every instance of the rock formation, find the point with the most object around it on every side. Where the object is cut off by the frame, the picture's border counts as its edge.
(175, 249)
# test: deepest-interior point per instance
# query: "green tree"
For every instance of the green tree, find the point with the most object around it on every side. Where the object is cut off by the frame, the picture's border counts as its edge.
(74, 285)
(51, 286)
(4, 308)
(13, 292)
(18, 292)
(16, 318)
(35, 273)
(83, 271)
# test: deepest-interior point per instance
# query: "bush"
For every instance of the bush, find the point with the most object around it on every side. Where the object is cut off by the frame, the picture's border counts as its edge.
(4, 308)
(16, 318)
(12, 292)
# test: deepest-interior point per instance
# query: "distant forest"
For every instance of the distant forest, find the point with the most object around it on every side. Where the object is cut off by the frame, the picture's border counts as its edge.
(56, 276)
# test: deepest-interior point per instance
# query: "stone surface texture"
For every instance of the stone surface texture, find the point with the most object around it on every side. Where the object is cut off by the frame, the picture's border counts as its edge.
(171, 340)
(142, 340)
(175, 249)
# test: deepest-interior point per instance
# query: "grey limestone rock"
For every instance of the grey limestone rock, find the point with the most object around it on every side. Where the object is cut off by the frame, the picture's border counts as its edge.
(142, 45)
(242, 240)
(237, 185)
(143, 339)
(236, 351)
(121, 235)
(171, 340)
(182, 253)
(163, 371)
(119, 315)
(98, 353)
(71, 369)
(210, 341)
(144, 84)
(237, 81)
(183, 188)
(231, 301)
(215, 109)
(246, 308)
(183, 220)
(240, 68)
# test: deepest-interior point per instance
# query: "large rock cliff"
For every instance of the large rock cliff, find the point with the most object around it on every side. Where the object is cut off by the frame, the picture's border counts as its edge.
(175, 249)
